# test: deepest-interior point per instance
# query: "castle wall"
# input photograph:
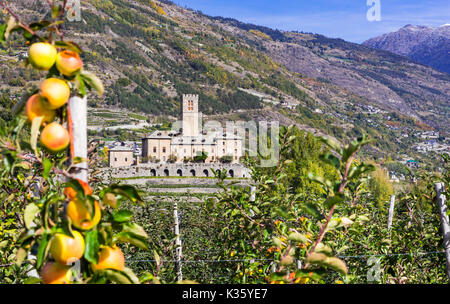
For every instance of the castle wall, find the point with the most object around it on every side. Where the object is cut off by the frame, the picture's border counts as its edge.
(156, 148)
(172, 170)
(120, 158)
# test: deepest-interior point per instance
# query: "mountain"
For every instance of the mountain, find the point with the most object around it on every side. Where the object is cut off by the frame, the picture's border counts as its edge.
(149, 53)
(423, 44)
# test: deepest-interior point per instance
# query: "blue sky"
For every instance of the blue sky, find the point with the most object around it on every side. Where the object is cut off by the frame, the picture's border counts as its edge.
(332, 18)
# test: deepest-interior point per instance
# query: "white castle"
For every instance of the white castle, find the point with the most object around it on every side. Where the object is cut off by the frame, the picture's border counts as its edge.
(185, 143)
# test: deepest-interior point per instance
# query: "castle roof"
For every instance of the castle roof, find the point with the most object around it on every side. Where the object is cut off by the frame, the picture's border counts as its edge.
(161, 135)
(193, 140)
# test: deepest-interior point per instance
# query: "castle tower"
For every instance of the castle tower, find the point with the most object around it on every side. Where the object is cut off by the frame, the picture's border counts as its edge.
(190, 115)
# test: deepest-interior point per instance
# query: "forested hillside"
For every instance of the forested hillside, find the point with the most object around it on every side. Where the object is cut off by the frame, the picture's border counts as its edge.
(149, 53)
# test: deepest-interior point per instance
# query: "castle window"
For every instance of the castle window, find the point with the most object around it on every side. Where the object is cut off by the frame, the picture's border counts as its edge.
(154, 149)
(115, 158)
(164, 149)
(126, 159)
(235, 151)
(190, 105)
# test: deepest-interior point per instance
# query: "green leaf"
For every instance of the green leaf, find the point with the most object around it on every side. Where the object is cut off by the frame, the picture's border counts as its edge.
(282, 211)
(70, 45)
(316, 258)
(122, 216)
(325, 249)
(308, 274)
(147, 277)
(36, 26)
(21, 256)
(3, 244)
(362, 218)
(255, 209)
(32, 280)
(337, 265)
(117, 276)
(332, 144)
(134, 279)
(48, 165)
(353, 147)
(277, 276)
(298, 237)
(331, 159)
(126, 190)
(8, 161)
(157, 257)
(28, 36)
(131, 238)
(93, 82)
(42, 250)
(334, 200)
(361, 169)
(311, 209)
(134, 228)
(92, 247)
(31, 210)
(80, 85)
(35, 125)
(287, 260)
(188, 282)
(2, 34)
(322, 259)
(134, 234)
(277, 242)
(319, 179)
(21, 104)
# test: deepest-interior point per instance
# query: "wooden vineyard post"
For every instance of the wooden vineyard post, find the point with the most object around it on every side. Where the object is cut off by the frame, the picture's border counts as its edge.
(178, 245)
(77, 125)
(391, 212)
(441, 201)
(252, 193)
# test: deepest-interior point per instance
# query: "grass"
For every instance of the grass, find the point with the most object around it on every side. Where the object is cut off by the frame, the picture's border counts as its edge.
(176, 194)
(137, 116)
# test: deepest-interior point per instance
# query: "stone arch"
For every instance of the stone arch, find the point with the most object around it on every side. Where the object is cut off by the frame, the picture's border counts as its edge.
(206, 172)
(166, 172)
(180, 172)
(231, 173)
(153, 172)
(192, 172)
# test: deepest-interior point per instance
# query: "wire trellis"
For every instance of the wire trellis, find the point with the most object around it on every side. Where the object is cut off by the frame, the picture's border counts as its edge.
(272, 260)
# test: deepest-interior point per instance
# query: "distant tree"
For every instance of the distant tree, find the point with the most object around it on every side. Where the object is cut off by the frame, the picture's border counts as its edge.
(201, 158)
(226, 159)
